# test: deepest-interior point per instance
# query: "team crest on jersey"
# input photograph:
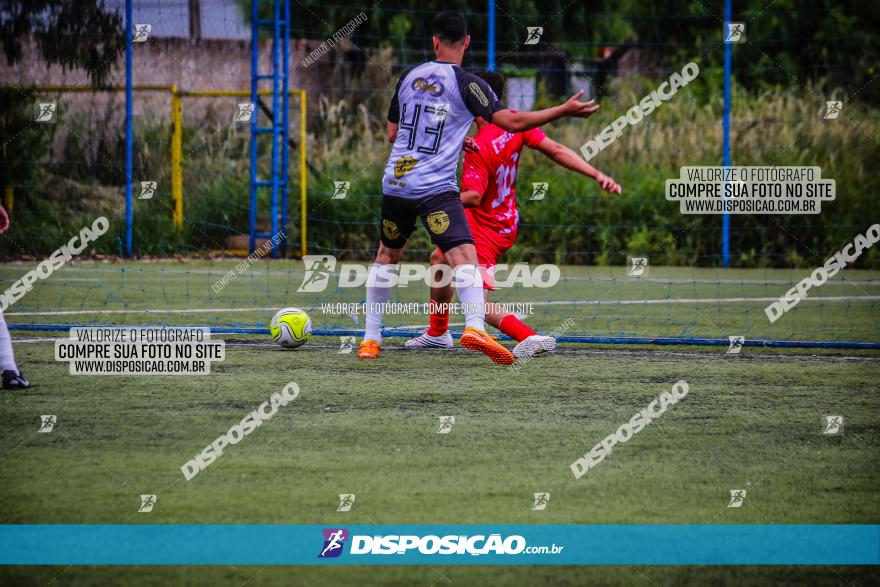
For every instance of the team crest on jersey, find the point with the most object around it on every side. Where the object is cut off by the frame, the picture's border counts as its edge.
(403, 166)
(389, 229)
(501, 140)
(477, 91)
(430, 85)
(438, 222)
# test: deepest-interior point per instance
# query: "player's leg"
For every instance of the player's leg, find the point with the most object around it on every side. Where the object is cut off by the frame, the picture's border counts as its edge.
(379, 282)
(398, 222)
(530, 343)
(441, 293)
(12, 377)
(444, 217)
(487, 256)
(437, 335)
(468, 284)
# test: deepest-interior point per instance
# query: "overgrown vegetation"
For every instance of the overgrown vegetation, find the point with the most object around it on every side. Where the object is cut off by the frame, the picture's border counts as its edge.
(575, 223)
(78, 176)
(788, 41)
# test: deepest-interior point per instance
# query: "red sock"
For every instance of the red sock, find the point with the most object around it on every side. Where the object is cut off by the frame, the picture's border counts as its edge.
(439, 320)
(514, 328)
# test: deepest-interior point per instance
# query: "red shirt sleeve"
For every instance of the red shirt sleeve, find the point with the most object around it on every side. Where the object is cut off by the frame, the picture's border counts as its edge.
(475, 174)
(532, 138)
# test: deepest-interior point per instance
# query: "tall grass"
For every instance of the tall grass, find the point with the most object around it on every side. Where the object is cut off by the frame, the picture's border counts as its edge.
(578, 223)
(574, 223)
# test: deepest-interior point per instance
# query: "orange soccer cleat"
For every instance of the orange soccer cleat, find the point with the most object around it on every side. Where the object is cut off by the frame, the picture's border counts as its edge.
(369, 349)
(479, 340)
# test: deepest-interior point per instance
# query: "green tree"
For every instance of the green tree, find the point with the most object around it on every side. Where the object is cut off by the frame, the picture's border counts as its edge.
(75, 34)
(788, 41)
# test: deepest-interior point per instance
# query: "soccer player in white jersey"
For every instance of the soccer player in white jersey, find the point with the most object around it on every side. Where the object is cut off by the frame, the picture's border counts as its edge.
(432, 109)
(488, 183)
(12, 377)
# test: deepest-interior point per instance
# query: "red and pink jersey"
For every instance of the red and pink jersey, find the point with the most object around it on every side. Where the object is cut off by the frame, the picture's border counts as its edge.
(492, 173)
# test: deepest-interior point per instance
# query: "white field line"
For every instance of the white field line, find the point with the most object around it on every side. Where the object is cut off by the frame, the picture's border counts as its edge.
(568, 351)
(672, 280)
(695, 301)
(422, 326)
(64, 280)
(145, 311)
(176, 272)
(545, 303)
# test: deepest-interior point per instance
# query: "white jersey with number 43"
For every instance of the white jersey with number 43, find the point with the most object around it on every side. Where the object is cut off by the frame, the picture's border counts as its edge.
(434, 104)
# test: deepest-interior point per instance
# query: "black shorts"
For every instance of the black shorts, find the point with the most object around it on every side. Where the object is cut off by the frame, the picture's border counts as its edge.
(443, 216)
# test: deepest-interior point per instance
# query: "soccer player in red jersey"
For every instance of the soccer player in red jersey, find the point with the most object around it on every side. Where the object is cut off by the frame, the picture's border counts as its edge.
(431, 110)
(487, 192)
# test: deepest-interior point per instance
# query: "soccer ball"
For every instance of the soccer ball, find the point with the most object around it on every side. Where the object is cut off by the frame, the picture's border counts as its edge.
(290, 327)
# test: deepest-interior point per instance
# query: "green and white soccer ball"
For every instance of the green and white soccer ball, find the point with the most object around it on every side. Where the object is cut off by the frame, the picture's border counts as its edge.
(290, 327)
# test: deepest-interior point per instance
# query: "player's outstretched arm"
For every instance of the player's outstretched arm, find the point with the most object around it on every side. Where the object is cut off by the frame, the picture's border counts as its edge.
(392, 131)
(564, 156)
(471, 198)
(521, 121)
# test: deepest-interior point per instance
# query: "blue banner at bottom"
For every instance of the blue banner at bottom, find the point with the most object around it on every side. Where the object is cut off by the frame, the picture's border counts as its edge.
(147, 544)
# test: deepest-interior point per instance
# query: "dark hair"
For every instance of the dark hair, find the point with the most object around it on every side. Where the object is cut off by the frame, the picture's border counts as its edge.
(495, 81)
(450, 26)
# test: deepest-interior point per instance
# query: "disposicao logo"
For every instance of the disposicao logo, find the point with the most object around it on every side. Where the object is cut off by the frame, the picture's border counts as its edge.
(432, 544)
(334, 541)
